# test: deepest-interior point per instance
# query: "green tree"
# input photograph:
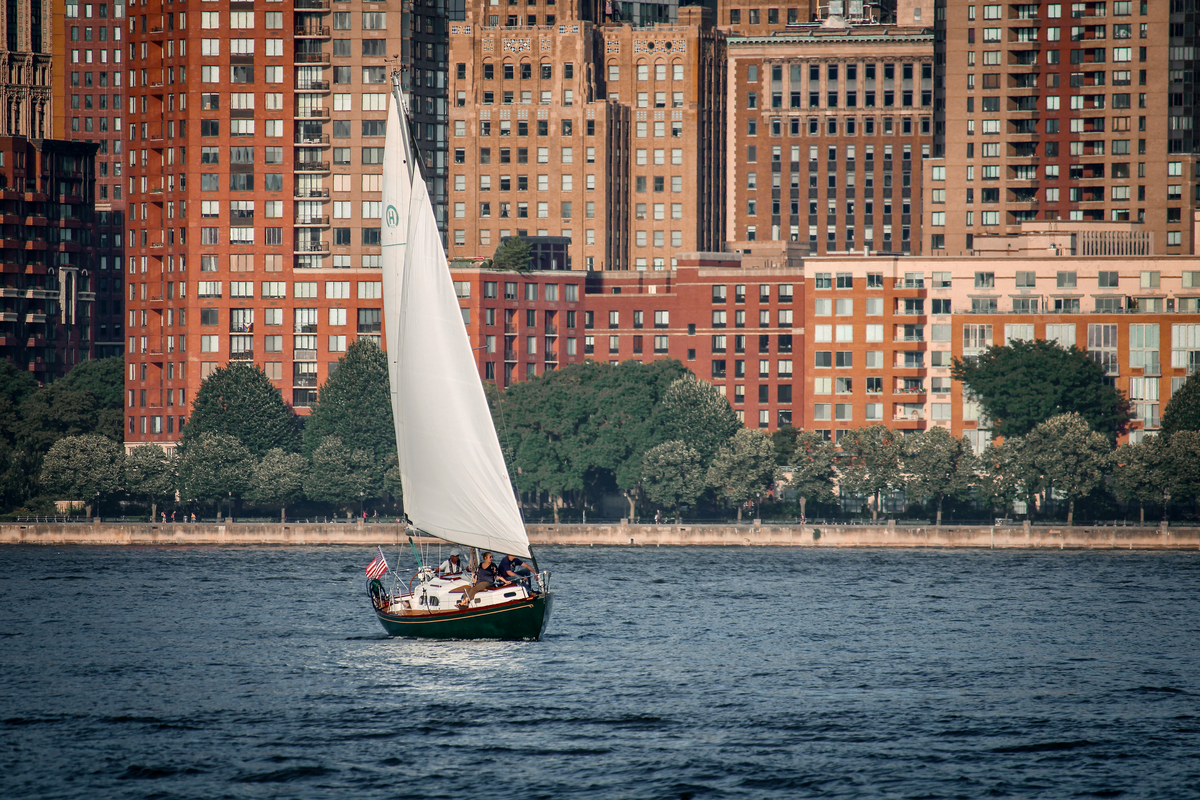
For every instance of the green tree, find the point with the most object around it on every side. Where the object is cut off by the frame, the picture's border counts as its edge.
(696, 413)
(1023, 384)
(216, 467)
(17, 472)
(785, 444)
(85, 468)
(151, 475)
(585, 424)
(813, 473)
(279, 479)
(938, 465)
(1136, 473)
(512, 255)
(744, 469)
(1180, 465)
(338, 474)
(1069, 456)
(355, 405)
(239, 400)
(88, 399)
(870, 463)
(1000, 475)
(673, 475)
(1183, 409)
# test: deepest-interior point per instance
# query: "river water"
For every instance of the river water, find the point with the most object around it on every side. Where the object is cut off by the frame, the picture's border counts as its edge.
(665, 673)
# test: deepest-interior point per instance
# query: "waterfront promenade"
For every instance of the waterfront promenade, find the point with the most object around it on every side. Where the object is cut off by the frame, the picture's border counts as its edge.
(622, 535)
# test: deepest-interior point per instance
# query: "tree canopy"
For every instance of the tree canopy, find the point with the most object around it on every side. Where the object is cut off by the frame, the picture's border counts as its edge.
(693, 411)
(589, 420)
(340, 475)
(355, 405)
(870, 462)
(938, 465)
(673, 475)
(812, 460)
(1025, 383)
(150, 473)
(279, 479)
(215, 466)
(744, 468)
(84, 467)
(1183, 409)
(513, 254)
(239, 400)
(1069, 456)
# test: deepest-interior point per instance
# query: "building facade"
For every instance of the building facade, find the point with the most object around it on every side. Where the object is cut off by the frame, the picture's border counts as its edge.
(1063, 111)
(828, 128)
(27, 61)
(47, 262)
(255, 143)
(88, 106)
(835, 343)
(605, 136)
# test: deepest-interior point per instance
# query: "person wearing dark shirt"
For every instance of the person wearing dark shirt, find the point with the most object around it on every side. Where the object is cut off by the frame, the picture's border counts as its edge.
(515, 570)
(486, 577)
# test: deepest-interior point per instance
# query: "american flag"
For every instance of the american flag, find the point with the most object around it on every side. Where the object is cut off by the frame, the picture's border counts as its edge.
(377, 567)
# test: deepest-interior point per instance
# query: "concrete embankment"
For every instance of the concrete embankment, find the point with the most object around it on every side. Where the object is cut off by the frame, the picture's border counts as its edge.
(237, 533)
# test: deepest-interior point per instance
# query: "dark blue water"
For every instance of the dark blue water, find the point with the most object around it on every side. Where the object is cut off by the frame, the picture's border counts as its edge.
(666, 673)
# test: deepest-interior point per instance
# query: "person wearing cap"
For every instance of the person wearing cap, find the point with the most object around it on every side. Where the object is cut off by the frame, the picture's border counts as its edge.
(452, 566)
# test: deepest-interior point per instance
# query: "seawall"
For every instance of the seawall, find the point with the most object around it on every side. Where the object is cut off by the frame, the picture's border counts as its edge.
(887, 535)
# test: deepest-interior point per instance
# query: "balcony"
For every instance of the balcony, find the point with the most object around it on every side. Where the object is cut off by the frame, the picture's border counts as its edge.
(510, 355)
(310, 220)
(243, 355)
(35, 317)
(311, 5)
(311, 58)
(551, 329)
(313, 141)
(311, 166)
(9, 316)
(311, 247)
(241, 328)
(312, 32)
(311, 113)
(911, 338)
(301, 193)
(312, 86)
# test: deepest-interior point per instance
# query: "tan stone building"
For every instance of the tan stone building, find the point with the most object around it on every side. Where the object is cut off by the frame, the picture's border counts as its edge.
(1063, 111)
(25, 63)
(608, 136)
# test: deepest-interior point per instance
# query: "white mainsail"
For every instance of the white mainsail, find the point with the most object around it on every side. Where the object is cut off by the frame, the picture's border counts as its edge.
(455, 482)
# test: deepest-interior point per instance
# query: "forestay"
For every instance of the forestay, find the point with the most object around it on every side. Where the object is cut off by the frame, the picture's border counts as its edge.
(455, 482)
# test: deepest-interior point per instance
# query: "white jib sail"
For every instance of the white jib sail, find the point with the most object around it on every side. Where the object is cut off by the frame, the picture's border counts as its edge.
(397, 162)
(455, 483)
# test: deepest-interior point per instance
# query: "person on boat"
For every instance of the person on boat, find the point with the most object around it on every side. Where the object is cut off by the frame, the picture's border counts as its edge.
(515, 570)
(486, 577)
(452, 565)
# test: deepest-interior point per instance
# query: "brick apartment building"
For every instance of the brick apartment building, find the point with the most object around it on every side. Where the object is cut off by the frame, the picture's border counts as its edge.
(838, 342)
(605, 136)
(828, 128)
(88, 100)
(255, 139)
(47, 264)
(1063, 111)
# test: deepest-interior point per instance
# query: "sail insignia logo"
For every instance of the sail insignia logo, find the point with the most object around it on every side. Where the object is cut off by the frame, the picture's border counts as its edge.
(393, 217)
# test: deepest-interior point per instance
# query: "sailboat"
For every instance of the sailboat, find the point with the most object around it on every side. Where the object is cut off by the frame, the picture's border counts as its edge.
(456, 485)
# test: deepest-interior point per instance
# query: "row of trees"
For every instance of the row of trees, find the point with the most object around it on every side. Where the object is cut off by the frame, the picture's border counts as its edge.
(242, 442)
(88, 400)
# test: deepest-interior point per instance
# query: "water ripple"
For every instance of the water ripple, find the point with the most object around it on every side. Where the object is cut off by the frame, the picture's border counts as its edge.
(667, 673)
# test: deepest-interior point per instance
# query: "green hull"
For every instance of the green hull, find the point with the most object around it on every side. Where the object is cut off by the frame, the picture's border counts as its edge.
(525, 619)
